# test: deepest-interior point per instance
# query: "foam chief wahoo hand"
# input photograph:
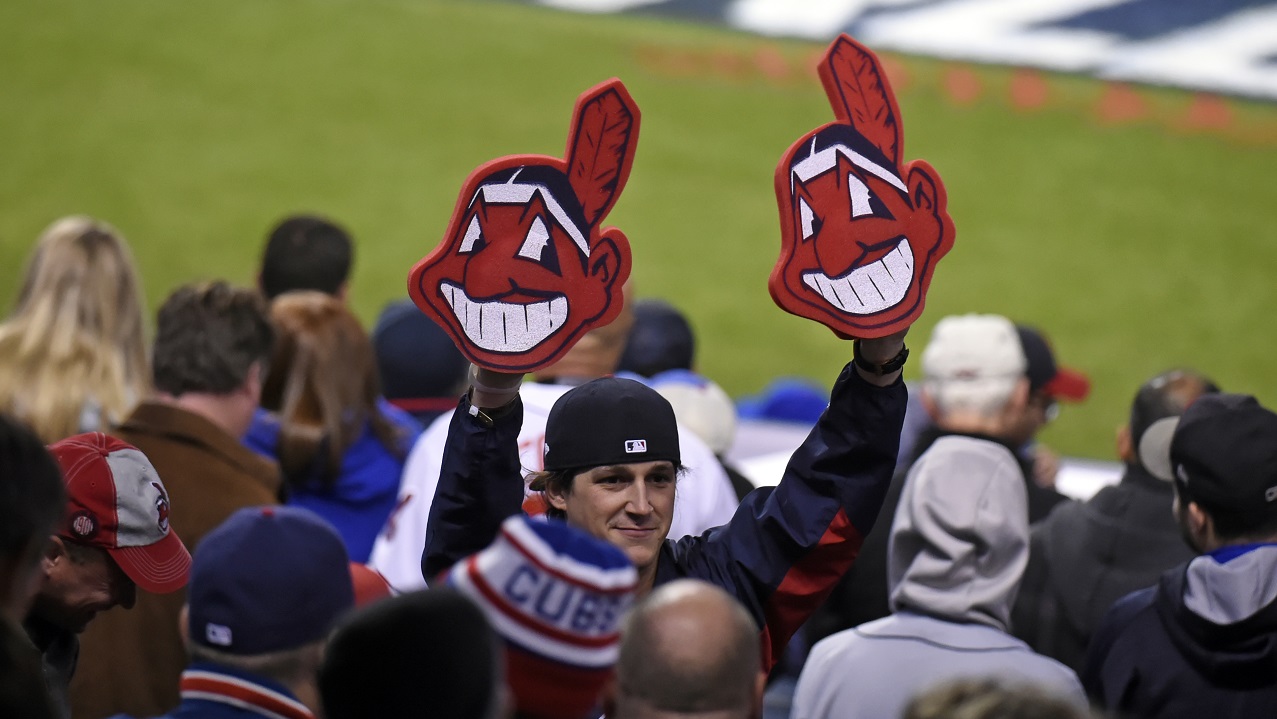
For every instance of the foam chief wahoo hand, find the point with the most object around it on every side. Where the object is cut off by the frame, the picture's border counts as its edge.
(861, 233)
(525, 268)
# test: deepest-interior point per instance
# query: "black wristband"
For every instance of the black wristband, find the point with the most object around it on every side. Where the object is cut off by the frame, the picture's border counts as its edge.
(891, 365)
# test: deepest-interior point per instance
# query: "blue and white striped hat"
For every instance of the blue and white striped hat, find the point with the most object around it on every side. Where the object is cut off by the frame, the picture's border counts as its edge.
(556, 595)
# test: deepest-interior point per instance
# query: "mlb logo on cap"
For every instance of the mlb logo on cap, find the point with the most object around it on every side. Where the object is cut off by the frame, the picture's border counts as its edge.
(116, 501)
(635, 446)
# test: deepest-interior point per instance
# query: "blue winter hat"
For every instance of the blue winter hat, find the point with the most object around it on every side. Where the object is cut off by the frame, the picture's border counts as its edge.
(556, 595)
(268, 579)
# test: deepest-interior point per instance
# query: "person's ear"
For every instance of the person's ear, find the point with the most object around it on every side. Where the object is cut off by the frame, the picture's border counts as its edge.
(1200, 525)
(1125, 449)
(556, 496)
(184, 626)
(760, 688)
(929, 404)
(55, 552)
(1019, 396)
(253, 380)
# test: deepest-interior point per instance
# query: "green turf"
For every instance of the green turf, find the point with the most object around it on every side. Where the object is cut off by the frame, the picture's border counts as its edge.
(193, 126)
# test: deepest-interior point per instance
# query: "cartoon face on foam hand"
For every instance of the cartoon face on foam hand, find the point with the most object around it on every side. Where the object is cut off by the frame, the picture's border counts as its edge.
(525, 269)
(861, 233)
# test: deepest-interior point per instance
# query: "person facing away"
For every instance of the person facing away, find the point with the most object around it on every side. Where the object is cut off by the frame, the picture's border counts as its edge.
(689, 649)
(556, 597)
(975, 384)
(340, 445)
(212, 343)
(428, 654)
(267, 587)
(1086, 555)
(612, 459)
(113, 538)
(32, 500)
(1203, 640)
(959, 544)
(306, 252)
(73, 353)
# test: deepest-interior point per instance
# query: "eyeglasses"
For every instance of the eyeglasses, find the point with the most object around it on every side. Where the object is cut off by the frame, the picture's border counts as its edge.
(1050, 408)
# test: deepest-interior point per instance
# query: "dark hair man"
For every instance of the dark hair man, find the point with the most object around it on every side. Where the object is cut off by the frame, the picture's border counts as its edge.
(32, 499)
(1203, 641)
(1086, 555)
(436, 656)
(212, 342)
(688, 649)
(306, 252)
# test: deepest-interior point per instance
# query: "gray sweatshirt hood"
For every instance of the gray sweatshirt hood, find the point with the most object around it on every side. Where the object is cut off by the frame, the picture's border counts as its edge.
(960, 539)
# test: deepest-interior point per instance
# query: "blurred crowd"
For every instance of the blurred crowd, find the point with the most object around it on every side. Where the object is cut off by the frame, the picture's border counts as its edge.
(252, 506)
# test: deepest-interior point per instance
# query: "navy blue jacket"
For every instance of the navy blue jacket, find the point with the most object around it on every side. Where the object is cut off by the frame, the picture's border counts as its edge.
(781, 553)
(1155, 655)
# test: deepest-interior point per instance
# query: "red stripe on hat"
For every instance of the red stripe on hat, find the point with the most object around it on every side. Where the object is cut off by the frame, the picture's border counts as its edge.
(514, 541)
(499, 602)
(807, 584)
(159, 568)
(546, 689)
(240, 693)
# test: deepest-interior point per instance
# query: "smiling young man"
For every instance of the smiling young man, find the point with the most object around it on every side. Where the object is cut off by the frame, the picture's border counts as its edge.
(612, 462)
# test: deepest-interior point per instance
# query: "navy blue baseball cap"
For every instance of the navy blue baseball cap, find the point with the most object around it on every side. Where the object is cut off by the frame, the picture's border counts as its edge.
(1224, 454)
(268, 579)
(610, 421)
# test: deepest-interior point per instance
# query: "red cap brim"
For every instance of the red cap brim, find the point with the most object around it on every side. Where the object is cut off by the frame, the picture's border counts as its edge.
(158, 568)
(1068, 384)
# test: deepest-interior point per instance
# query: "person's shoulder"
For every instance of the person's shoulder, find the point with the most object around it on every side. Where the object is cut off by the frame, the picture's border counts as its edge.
(263, 432)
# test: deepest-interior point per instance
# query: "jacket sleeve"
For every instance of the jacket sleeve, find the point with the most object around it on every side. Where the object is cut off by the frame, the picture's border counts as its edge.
(786, 547)
(480, 485)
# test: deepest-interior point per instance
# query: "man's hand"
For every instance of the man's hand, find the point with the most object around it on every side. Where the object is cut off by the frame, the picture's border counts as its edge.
(880, 351)
(490, 389)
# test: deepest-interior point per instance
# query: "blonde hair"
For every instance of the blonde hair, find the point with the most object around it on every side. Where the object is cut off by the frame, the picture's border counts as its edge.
(74, 345)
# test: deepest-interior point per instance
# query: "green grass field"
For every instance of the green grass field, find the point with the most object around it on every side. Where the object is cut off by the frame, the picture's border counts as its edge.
(194, 126)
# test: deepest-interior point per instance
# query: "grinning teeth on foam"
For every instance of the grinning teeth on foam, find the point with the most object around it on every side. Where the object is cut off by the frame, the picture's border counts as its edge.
(498, 326)
(872, 288)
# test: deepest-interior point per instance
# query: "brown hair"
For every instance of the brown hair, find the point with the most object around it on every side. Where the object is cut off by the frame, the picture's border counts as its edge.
(323, 385)
(207, 338)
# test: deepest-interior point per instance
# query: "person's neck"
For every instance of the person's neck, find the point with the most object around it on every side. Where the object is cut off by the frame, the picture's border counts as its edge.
(646, 581)
(225, 411)
(972, 423)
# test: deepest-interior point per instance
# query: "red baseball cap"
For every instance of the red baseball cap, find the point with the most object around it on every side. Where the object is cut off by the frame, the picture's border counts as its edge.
(116, 501)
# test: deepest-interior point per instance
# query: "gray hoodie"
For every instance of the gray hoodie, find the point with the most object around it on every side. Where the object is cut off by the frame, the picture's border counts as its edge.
(959, 544)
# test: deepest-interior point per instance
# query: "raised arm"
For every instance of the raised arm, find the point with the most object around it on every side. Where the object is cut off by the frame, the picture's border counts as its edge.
(480, 483)
(784, 550)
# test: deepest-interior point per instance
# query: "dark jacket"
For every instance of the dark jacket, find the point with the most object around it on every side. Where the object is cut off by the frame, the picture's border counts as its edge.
(781, 552)
(861, 596)
(130, 660)
(49, 654)
(1087, 555)
(1202, 643)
